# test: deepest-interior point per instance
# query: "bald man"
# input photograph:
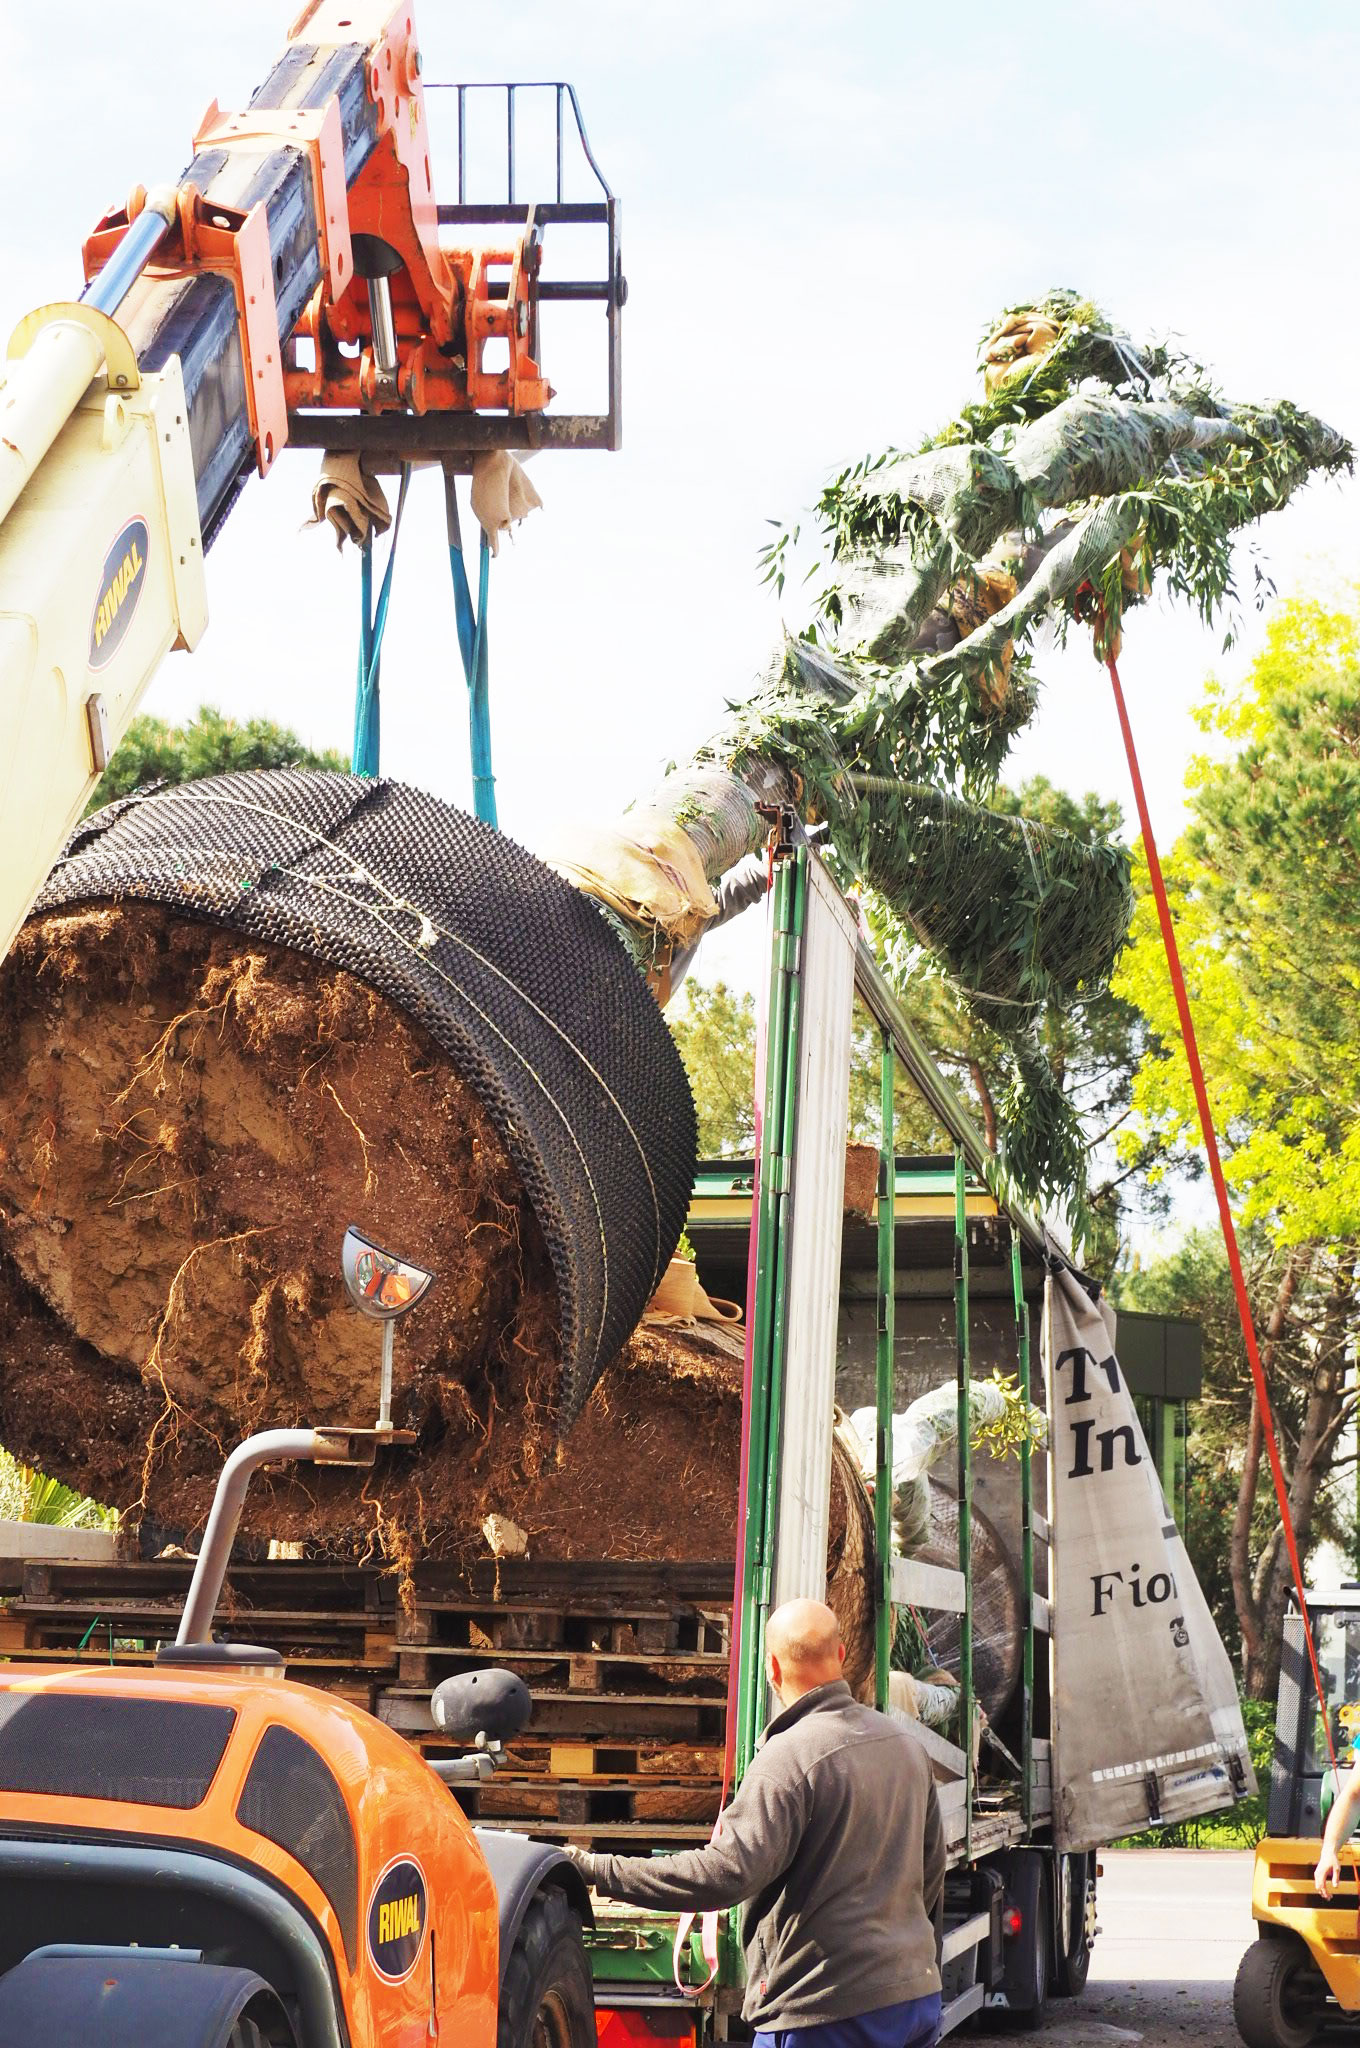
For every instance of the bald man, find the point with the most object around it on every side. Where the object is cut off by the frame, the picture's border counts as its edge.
(835, 1845)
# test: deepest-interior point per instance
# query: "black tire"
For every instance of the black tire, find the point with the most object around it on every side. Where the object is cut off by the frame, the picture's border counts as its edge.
(1026, 1976)
(547, 1998)
(262, 2025)
(1072, 1925)
(1279, 1997)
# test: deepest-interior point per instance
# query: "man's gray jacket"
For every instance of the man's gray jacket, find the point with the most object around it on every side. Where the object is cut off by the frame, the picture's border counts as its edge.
(835, 1840)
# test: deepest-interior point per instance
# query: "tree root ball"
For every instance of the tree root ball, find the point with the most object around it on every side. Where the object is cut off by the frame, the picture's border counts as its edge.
(188, 1123)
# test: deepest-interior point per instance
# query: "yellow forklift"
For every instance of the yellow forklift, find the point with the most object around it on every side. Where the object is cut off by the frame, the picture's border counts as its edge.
(1301, 1976)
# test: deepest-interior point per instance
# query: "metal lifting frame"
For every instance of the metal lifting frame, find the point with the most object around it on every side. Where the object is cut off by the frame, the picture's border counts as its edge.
(264, 245)
(384, 438)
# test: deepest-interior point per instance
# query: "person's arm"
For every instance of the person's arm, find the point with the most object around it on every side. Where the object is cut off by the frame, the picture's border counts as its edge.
(760, 1831)
(933, 1856)
(1339, 1823)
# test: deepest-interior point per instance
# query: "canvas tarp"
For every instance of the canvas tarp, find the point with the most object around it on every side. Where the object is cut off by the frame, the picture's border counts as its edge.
(1146, 1722)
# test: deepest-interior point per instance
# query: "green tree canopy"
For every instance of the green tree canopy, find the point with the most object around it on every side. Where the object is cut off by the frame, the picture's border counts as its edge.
(1263, 889)
(1091, 1050)
(715, 1029)
(153, 750)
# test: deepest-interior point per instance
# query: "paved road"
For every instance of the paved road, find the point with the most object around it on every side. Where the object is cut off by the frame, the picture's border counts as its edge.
(1174, 1923)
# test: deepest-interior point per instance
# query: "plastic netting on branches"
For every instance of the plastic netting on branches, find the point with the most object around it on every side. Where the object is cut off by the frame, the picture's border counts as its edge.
(1090, 467)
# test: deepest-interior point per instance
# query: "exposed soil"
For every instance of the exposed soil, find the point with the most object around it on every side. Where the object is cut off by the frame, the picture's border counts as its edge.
(188, 1122)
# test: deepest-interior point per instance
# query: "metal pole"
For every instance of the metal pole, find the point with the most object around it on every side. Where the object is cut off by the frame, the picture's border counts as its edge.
(270, 1447)
(1026, 1537)
(144, 236)
(384, 333)
(779, 1332)
(965, 1474)
(40, 389)
(883, 1379)
(385, 1395)
(765, 1221)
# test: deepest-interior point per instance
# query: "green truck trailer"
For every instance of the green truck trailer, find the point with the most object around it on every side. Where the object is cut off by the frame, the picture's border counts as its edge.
(1027, 1773)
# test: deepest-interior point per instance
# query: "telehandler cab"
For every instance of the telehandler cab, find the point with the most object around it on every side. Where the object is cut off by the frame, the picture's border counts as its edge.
(207, 1855)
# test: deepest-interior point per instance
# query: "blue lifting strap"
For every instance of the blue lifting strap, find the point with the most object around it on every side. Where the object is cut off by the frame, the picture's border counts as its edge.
(372, 626)
(472, 645)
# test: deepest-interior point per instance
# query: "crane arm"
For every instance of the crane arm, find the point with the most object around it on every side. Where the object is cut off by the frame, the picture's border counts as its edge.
(299, 277)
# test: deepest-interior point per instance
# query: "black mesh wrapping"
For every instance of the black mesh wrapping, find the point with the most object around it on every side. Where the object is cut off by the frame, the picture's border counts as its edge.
(290, 1797)
(514, 973)
(146, 1752)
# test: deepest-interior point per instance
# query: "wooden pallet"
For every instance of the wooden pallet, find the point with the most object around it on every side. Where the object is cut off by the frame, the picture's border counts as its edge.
(604, 1718)
(543, 1802)
(627, 1665)
(623, 1838)
(687, 1632)
(604, 1671)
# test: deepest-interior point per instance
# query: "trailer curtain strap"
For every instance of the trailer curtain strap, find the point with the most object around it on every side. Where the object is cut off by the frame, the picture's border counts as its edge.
(472, 645)
(1225, 1215)
(372, 626)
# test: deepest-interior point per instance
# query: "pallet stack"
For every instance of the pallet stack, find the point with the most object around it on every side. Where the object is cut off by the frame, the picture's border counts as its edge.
(335, 1624)
(627, 1664)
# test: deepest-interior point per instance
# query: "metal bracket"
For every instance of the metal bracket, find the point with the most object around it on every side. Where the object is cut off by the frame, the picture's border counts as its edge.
(1153, 1795)
(120, 358)
(783, 823)
(361, 1446)
(225, 242)
(319, 133)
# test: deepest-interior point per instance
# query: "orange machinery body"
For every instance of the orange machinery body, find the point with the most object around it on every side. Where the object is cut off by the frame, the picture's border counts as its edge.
(423, 1959)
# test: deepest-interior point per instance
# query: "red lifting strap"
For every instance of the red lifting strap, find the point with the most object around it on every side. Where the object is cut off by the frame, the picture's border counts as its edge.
(1225, 1216)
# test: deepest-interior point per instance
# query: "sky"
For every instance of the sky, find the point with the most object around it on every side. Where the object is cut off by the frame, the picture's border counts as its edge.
(822, 206)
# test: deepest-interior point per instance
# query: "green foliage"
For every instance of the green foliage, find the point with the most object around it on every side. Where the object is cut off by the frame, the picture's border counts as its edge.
(1018, 1424)
(716, 1033)
(1263, 889)
(29, 1496)
(1056, 1093)
(153, 750)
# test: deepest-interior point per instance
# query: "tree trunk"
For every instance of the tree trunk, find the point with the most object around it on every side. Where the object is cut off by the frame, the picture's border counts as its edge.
(985, 1103)
(1244, 1597)
(1324, 1417)
(1239, 1547)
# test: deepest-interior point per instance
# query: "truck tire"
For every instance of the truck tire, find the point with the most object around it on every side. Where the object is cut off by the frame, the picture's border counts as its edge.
(122, 1997)
(1072, 1925)
(547, 1998)
(1025, 1962)
(1279, 1997)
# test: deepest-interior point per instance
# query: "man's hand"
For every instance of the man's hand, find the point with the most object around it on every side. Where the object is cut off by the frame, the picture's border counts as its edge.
(581, 1859)
(1328, 1872)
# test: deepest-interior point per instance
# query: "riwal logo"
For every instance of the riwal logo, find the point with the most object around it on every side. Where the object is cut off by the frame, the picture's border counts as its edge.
(120, 588)
(397, 1911)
